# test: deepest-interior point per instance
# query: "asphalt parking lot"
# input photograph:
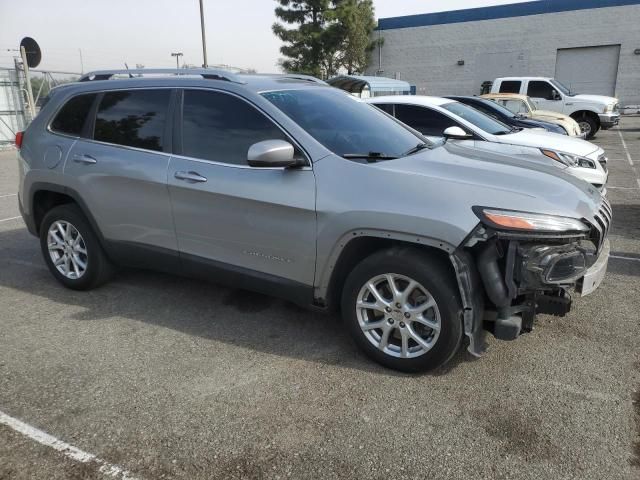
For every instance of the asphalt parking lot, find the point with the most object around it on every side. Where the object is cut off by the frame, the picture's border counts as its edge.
(174, 378)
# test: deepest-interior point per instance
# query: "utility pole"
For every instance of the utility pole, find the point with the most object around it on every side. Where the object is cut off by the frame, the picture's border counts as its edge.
(205, 64)
(25, 68)
(177, 55)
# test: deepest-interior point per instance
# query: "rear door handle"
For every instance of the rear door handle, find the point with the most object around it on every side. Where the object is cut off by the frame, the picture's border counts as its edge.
(86, 159)
(191, 177)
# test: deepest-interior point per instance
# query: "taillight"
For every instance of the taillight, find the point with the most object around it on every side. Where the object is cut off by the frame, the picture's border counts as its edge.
(19, 138)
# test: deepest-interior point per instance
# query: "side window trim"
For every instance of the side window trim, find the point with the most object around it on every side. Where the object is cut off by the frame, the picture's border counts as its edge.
(178, 145)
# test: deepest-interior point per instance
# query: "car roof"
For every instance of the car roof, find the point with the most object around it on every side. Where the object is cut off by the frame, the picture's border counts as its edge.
(424, 100)
(117, 79)
(523, 78)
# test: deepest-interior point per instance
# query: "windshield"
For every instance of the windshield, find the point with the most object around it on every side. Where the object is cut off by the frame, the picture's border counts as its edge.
(477, 118)
(561, 87)
(343, 124)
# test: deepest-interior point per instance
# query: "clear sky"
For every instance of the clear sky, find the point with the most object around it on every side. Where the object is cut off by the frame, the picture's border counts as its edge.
(111, 32)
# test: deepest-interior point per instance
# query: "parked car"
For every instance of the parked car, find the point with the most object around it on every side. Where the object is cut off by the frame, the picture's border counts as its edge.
(292, 188)
(433, 116)
(592, 112)
(522, 105)
(508, 117)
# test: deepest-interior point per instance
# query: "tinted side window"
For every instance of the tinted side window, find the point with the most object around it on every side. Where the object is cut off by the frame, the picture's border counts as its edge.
(510, 86)
(71, 117)
(538, 89)
(386, 107)
(221, 127)
(423, 119)
(134, 118)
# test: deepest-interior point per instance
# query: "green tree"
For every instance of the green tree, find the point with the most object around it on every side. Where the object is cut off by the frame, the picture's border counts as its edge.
(356, 23)
(308, 47)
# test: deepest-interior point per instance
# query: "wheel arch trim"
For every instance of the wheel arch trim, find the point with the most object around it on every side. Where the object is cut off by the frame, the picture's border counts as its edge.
(322, 288)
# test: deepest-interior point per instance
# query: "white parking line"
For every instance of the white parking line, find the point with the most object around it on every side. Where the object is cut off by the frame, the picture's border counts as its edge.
(67, 450)
(9, 195)
(624, 145)
(10, 218)
(625, 188)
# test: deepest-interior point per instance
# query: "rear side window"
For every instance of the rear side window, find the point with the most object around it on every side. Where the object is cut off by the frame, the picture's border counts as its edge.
(538, 89)
(386, 107)
(221, 127)
(510, 86)
(72, 116)
(134, 118)
(423, 119)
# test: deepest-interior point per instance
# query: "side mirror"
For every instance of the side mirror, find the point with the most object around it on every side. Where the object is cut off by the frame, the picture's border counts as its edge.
(555, 95)
(456, 133)
(271, 153)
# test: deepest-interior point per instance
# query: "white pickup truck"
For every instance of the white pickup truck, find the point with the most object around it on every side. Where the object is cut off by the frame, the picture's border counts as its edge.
(592, 112)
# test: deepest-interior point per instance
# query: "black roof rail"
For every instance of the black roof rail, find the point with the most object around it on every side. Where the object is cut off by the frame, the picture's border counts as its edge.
(208, 73)
(308, 78)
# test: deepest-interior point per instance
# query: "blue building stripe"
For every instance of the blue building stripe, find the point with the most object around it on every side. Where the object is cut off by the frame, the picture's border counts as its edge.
(498, 11)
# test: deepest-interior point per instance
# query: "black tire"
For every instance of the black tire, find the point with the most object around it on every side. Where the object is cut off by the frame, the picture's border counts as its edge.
(430, 272)
(98, 267)
(593, 125)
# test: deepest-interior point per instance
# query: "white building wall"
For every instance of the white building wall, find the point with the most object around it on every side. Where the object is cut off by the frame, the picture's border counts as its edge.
(427, 56)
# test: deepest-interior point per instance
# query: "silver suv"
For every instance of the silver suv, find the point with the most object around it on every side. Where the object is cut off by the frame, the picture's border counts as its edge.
(286, 186)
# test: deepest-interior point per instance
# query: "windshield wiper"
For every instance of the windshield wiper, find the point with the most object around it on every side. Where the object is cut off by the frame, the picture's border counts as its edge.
(370, 157)
(416, 149)
(503, 132)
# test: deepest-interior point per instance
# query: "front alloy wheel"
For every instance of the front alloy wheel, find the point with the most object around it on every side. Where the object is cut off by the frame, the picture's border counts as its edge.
(402, 307)
(398, 315)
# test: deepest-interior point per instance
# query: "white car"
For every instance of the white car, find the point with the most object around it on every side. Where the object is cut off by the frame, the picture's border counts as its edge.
(434, 117)
(592, 112)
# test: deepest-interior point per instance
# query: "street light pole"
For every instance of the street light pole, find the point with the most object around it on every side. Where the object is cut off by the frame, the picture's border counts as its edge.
(177, 55)
(204, 39)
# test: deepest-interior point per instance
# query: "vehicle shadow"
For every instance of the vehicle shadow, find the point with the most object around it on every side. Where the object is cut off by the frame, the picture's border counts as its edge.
(626, 220)
(213, 312)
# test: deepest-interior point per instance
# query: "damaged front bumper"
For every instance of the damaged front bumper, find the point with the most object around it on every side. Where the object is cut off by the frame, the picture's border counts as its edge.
(506, 279)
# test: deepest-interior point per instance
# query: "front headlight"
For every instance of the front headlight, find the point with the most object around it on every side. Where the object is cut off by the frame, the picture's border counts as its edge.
(609, 108)
(534, 222)
(568, 159)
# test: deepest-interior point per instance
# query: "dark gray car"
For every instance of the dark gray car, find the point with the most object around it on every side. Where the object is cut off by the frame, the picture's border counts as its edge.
(289, 187)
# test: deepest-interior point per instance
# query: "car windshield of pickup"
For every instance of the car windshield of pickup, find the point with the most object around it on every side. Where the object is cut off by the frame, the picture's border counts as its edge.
(345, 125)
(479, 119)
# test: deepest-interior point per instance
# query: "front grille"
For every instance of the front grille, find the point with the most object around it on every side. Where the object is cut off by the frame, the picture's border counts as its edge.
(602, 223)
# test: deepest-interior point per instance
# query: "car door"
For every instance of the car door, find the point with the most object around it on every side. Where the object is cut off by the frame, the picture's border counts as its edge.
(253, 222)
(544, 95)
(120, 169)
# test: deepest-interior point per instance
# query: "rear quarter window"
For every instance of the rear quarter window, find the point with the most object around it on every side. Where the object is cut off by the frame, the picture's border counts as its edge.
(71, 118)
(510, 86)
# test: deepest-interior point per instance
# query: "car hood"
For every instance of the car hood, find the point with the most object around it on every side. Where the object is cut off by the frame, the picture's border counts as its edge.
(540, 139)
(604, 100)
(505, 181)
(548, 115)
(432, 193)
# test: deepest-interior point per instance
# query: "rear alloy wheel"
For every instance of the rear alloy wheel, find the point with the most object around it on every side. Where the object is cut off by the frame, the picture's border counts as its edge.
(71, 249)
(67, 249)
(402, 308)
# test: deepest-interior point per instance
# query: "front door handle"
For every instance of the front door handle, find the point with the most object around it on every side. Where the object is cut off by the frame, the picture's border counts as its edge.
(191, 177)
(86, 159)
